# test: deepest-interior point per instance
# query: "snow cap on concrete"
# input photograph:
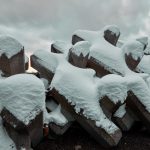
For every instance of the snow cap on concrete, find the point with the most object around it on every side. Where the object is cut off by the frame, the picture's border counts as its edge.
(114, 87)
(80, 89)
(143, 40)
(48, 59)
(134, 48)
(63, 46)
(22, 95)
(56, 117)
(143, 66)
(82, 47)
(113, 28)
(9, 46)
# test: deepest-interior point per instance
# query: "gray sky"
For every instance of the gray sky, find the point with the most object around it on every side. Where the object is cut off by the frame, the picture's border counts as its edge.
(36, 23)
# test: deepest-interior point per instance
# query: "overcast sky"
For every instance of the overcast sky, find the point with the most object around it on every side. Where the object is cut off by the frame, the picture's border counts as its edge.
(36, 23)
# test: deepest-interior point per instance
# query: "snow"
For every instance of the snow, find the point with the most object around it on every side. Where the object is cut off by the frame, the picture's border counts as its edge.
(23, 95)
(121, 111)
(110, 57)
(147, 50)
(113, 28)
(56, 117)
(82, 47)
(45, 82)
(5, 141)
(62, 46)
(120, 43)
(135, 48)
(80, 88)
(114, 87)
(143, 40)
(92, 35)
(83, 90)
(144, 76)
(148, 82)
(139, 87)
(106, 54)
(144, 65)
(87, 35)
(51, 104)
(48, 59)
(9, 46)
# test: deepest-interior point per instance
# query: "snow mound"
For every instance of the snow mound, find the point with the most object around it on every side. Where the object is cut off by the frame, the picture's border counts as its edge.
(135, 48)
(148, 82)
(56, 117)
(147, 50)
(9, 46)
(143, 66)
(143, 40)
(23, 95)
(114, 87)
(139, 87)
(45, 82)
(106, 54)
(48, 59)
(82, 47)
(120, 43)
(121, 111)
(110, 57)
(113, 28)
(62, 46)
(80, 88)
